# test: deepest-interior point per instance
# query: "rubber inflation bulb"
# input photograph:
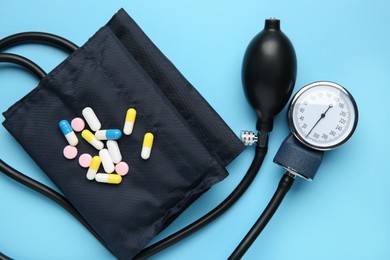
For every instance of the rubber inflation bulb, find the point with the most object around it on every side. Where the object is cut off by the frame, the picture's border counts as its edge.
(268, 73)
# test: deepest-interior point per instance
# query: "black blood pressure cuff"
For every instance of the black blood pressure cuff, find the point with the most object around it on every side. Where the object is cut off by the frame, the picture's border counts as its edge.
(119, 68)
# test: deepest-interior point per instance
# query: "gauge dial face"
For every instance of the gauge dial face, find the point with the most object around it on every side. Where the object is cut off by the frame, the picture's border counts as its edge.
(323, 115)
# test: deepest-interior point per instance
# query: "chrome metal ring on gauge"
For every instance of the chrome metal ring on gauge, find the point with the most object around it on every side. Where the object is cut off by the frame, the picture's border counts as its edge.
(323, 115)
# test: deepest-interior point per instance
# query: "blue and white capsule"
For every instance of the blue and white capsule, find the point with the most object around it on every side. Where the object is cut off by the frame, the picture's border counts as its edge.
(67, 131)
(109, 134)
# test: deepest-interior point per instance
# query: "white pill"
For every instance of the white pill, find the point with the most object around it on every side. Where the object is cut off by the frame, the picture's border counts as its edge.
(108, 165)
(113, 150)
(91, 119)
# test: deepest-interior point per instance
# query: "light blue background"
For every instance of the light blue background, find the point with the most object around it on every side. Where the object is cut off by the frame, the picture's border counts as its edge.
(343, 214)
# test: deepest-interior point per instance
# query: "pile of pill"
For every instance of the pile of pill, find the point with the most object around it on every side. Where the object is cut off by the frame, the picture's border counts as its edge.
(109, 158)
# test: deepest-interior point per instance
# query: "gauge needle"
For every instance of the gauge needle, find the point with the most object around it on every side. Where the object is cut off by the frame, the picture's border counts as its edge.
(321, 117)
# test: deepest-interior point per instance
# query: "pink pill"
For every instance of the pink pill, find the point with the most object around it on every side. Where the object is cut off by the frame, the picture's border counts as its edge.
(85, 160)
(78, 124)
(70, 152)
(122, 168)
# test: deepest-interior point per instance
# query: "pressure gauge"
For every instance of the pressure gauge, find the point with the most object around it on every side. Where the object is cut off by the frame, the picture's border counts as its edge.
(323, 115)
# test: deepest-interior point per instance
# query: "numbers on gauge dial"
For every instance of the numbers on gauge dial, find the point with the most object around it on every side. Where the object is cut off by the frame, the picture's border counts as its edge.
(322, 115)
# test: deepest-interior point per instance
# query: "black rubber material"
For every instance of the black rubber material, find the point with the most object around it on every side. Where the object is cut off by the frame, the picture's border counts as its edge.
(24, 62)
(40, 37)
(212, 215)
(269, 71)
(284, 186)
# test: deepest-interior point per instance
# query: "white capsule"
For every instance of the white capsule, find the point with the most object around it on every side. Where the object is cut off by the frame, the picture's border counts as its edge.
(91, 119)
(113, 150)
(108, 166)
(108, 178)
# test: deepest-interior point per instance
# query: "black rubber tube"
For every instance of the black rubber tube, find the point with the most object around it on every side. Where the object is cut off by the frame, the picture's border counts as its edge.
(213, 214)
(283, 187)
(24, 62)
(40, 37)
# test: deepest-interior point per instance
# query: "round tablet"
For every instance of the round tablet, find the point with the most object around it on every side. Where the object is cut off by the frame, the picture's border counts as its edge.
(122, 168)
(78, 124)
(85, 160)
(70, 152)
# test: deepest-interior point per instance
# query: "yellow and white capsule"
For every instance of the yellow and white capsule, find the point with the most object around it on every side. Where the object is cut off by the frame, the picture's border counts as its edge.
(129, 122)
(90, 138)
(108, 165)
(91, 119)
(108, 178)
(114, 151)
(94, 167)
(147, 146)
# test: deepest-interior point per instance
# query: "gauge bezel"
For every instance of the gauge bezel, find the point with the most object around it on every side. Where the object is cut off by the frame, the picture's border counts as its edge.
(293, 103)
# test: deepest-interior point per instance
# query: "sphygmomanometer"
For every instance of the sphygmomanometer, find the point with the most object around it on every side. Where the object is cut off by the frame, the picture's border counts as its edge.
(178, 146)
